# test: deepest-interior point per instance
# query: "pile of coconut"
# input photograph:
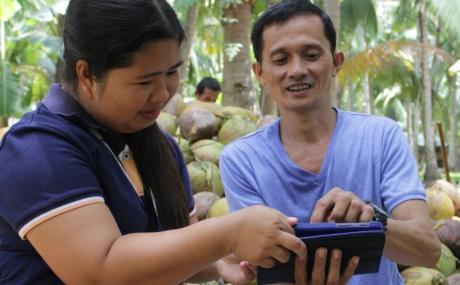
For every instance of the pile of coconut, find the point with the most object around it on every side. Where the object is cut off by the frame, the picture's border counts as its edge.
(443, 200)
(202, 130)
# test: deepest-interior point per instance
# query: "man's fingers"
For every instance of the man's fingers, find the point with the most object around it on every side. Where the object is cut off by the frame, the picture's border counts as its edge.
(367, 214)
(319, 267)
(349, 270)
(333, 276)
(300, 270)
(354, 210)
(322, 209)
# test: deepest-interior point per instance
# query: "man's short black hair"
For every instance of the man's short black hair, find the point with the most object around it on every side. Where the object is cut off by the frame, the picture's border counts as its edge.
(208, 82)
(283, 12)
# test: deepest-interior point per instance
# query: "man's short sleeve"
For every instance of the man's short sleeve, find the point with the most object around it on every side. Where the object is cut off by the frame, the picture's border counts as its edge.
(235, 172)
(399, 177)
(43, 174)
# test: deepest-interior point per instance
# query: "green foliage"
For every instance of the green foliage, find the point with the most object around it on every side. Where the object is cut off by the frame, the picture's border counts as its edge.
(10, 91)
(7, 9)
(355, 13)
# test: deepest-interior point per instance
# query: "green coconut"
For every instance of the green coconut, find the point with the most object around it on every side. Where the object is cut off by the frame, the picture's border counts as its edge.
(205, 176)
(439, 204)
(208, 150)
(234, 128)
(219, 208)
(197, 124)
(447, 262)
(203, 202)
(167, 122)
(175, 106)
(234, 111)
(184, 147)
(423, 276)
(450, 189)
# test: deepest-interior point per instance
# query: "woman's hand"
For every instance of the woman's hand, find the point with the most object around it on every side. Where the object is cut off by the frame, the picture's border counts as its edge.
(235, 271)
(263, 236)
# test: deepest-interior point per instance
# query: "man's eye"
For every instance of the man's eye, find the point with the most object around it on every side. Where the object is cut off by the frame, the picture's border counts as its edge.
(145, 82)
(279, 61)
(311, 56)
(172, 72)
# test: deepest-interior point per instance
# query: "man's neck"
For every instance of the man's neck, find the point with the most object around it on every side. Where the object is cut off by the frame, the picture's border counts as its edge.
(307, 128)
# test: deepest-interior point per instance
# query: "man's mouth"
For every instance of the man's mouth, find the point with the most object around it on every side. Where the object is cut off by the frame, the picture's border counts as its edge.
(299, 87)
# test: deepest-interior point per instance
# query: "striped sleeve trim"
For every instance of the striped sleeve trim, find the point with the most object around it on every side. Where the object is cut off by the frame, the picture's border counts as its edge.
(57, 211)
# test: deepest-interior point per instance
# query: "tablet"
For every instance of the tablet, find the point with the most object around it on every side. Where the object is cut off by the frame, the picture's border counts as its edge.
(365, 240)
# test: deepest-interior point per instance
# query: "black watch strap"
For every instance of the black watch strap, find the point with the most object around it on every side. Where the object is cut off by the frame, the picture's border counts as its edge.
(379, 214)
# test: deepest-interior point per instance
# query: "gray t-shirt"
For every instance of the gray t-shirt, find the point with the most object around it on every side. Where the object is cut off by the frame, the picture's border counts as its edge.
(367, 155)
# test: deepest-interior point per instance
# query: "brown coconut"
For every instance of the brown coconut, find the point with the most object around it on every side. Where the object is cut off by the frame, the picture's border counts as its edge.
(203, 202)
(219, 208)
(448, 188)
(205, 176)
(439, 204)
(208, 150)
(167, 122)
(234, 128)
(197, 124)
(175, 106)
(448, 232)
(234, 111)
(423, 276)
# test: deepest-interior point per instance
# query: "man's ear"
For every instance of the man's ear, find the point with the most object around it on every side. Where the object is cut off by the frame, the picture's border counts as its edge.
(86, 82)
(339, 58)
(257, 69)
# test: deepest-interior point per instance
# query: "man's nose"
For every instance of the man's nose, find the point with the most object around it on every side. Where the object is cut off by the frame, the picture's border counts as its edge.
(297, 68)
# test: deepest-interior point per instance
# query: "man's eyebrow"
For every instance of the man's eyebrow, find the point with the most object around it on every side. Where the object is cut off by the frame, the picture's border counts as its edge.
(151, 74)
(283, 49)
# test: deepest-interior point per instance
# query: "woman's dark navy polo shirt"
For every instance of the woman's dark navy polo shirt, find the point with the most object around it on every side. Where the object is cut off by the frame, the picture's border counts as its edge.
(52, 163)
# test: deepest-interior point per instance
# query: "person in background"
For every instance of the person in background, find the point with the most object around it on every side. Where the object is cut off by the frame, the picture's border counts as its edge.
(320, 163)
(207, 90)
(93, 192)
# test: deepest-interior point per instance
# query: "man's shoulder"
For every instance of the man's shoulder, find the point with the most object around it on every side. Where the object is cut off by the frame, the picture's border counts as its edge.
(355, 118)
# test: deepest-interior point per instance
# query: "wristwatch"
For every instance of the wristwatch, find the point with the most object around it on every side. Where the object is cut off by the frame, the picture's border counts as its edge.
(379, 214)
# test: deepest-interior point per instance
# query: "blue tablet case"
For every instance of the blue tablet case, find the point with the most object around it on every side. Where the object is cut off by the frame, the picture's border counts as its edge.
(365, 240)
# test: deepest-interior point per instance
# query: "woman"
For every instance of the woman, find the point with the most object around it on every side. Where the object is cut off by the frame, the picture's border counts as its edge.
(94, 193)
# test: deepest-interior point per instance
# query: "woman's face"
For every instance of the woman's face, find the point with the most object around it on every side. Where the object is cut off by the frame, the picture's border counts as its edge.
(130, 98)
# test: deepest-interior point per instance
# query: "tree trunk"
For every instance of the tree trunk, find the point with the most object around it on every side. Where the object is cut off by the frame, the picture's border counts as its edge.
(237, 85)
(431, 170)
(415, 130)
(267, 104)
(186, 49)
(453, 124)
(332, 8)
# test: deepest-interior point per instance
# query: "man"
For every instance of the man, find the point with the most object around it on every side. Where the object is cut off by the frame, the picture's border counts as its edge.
(320, 163)
(207, 90)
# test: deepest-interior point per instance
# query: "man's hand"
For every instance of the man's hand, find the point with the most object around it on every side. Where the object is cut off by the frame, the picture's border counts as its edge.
(341, 206)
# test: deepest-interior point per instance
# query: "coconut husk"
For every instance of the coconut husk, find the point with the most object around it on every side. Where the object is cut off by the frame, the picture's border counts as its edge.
(184, 147)
(234, 128)
(440, 206)
(197, 124)
(203, 202)
(450, 189)
(167, 122)
(234, 111)
(205, 176)
(207, 150)
(448, 232)
(422, 275)
(175, 106)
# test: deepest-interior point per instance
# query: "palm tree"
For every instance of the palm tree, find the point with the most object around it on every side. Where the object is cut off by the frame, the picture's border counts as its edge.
(237, 86)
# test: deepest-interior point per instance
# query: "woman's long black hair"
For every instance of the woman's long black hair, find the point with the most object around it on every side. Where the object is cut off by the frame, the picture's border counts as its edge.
(106, 34)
